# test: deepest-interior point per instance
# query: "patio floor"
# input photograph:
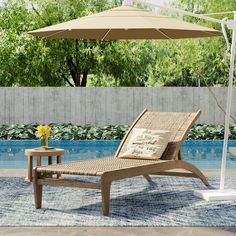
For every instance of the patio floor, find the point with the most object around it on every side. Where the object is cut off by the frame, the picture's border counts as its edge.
(114, 231)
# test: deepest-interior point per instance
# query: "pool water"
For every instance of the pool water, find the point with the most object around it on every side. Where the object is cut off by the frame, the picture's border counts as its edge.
(203, 154)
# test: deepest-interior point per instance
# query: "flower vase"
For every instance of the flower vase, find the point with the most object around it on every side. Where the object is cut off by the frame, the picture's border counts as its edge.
(44, 141)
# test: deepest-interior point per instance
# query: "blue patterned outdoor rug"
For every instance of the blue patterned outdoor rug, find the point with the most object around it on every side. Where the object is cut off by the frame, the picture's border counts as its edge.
(168, 201)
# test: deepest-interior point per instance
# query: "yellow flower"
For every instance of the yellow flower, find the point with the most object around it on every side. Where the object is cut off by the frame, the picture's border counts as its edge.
(43, 130)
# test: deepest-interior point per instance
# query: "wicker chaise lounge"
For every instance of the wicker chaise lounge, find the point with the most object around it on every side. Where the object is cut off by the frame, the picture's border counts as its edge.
(115, 168)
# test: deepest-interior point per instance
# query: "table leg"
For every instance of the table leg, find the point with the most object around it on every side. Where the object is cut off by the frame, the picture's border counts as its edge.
(49, 160)
(39, 161)
(49, 163)
(59, 161)
(30, 169)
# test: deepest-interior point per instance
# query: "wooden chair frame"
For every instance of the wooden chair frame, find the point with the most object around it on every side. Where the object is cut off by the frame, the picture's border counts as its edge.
(159, 167)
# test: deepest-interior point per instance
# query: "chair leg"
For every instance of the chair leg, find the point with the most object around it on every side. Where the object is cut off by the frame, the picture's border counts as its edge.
(38, 189)
(180, 154)
(147, 177)
(191, 168)
(106, 187)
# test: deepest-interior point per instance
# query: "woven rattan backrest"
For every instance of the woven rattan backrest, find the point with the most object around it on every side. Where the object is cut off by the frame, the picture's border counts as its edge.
(178, 123)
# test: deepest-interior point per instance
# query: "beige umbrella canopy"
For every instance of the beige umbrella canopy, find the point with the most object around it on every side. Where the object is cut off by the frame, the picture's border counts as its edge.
(125, 22)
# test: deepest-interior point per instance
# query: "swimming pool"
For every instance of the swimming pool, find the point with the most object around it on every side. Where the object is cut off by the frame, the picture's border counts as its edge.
(203, 154)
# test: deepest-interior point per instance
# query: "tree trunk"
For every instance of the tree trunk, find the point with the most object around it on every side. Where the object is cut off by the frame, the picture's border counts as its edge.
(77, 80)
(74, 71)
(84, 79)
(67, 80)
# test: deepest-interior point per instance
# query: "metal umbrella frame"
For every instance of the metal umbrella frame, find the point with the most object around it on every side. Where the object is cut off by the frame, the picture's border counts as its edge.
(221, 193)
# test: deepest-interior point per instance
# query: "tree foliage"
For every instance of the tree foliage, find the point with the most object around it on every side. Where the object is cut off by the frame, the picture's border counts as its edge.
(32, 61)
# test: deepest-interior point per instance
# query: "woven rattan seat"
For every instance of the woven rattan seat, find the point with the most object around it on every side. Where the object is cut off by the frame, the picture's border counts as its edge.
(95, 167)
(114, 168)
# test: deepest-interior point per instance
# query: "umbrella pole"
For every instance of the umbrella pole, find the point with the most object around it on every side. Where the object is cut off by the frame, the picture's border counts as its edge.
(222, 193)
(228, 107)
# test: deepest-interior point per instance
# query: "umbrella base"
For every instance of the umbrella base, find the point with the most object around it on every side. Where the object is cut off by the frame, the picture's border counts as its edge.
(213, 195)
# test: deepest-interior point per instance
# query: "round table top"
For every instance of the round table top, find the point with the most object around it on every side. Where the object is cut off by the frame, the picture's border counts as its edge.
(44, 152)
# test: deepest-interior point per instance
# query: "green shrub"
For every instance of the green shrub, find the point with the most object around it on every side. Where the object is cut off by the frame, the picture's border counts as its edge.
(64, 132)
(110, 132)
(210, 132)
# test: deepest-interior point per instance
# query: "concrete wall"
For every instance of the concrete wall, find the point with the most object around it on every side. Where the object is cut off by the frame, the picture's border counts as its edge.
(102, 106)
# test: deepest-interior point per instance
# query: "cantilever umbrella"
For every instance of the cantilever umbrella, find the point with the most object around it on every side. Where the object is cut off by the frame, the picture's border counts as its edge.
(125, 22)
(128, 22)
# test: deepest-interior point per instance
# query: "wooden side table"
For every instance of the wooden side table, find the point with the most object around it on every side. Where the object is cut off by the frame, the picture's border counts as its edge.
(39, 153)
